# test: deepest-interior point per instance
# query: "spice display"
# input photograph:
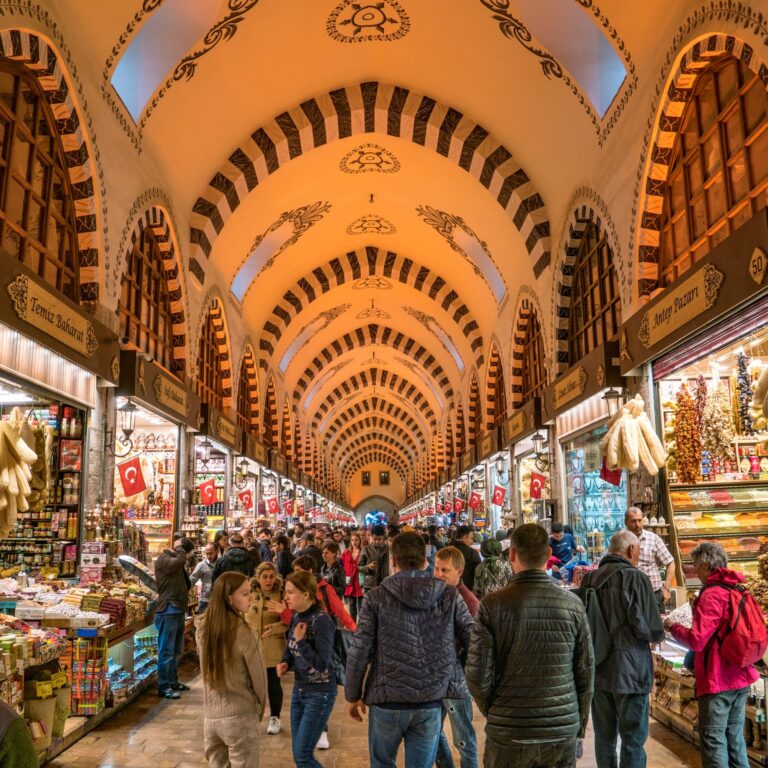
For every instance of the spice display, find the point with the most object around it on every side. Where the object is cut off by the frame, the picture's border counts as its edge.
(687, 437)
(717, 429)
(744, 395)
(631, 439)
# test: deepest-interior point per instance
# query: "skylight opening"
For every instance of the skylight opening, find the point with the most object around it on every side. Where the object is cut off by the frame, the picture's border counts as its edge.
(162, 41)
(575, 39)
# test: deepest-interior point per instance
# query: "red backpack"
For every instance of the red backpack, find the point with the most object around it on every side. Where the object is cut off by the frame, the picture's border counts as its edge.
(743, 638)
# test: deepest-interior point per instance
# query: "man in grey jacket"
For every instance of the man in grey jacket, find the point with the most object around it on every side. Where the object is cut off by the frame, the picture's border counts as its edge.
(624, 620)
(530, 664)
(405, 649)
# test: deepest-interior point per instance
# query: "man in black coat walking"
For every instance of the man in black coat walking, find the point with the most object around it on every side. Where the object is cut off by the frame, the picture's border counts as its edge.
(237, 558)
(624, 620)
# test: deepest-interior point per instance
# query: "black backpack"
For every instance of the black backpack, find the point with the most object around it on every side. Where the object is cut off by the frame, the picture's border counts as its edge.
(602, 636)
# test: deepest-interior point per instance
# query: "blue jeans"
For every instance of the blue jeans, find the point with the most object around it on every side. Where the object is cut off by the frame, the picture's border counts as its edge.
(309, 718)
(418, 728)
(721, 729)
(170, 643)
(460, 713)
(623, 715)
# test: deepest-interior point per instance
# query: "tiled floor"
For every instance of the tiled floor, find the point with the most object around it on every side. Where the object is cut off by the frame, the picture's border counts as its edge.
(167, 734)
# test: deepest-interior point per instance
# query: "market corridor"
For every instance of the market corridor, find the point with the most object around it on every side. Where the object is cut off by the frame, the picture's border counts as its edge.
(168, 734)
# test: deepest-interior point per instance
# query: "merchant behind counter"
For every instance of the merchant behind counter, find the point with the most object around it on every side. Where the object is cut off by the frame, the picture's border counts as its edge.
(564, 548)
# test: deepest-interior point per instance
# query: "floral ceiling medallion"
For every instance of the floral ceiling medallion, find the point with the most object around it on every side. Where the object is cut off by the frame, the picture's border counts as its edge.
(360, 22)
(369, 158)
(371, 224)
(372, 283)
(373, 313)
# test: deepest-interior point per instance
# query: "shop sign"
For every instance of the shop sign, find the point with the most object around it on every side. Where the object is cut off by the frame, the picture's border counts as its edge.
(487, 444)
(257, 451)
(758, 265)
(225, 430)
(45, 311)
(516, 425)
(294, 473)
(569, 387)
(682, 304)
(171, 394)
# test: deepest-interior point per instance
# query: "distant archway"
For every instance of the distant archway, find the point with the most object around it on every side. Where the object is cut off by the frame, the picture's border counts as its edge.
(374, 503)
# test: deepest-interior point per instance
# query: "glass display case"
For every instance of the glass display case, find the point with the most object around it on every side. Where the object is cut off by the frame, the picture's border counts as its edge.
(596, 507)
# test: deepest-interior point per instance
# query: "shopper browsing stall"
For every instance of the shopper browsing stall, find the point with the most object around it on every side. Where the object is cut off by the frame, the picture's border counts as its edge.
(653, 555)
(237, 558)
(203, 573)
(234, 680)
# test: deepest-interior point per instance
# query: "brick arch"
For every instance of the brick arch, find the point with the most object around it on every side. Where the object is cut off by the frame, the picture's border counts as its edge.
(371, 455)
(248, 374)
(371, 335)
(450, 445)
(271, 419)
(297, 439)
(375, 377)
(214, 308)
(695, 59)
(350, 445)
(461, 430)
(473, 425)
(580, 218)
(373, 406)
(495, 394)
(286, 433)
(158, 221)
(40, 59)
(527, 305)
(358, 265)
(374, 423)
(357, 110)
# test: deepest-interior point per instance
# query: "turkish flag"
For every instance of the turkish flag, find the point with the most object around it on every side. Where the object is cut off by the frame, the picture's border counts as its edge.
(288, 507)
(612, 476)
(272, 506)
(498, 495)
(474, 500)
(208, 492)
(131, 477)
(300, 508)
(246, 499)
(537, 485)
(458, 504)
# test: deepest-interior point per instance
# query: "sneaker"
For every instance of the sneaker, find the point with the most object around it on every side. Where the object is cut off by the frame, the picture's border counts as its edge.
(274, 726)
(168, 693)
(180, 687)
(322, 742)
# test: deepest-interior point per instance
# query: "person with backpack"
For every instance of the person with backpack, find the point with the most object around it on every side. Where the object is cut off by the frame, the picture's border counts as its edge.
(495, 572)
(623, 620)
(727, 637)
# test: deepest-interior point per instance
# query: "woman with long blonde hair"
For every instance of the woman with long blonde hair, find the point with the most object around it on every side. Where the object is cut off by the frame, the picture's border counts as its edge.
(234, 680)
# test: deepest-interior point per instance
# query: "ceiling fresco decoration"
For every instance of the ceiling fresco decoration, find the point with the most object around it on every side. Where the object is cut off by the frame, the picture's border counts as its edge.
(372, 284)
(371, 224)
(432, 325)
(373, 313)
(361, 22)
(319, 323)
(284, 232)
(369, 158)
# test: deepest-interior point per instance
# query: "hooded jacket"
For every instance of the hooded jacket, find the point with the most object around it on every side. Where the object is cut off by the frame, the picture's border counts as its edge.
(625, 595)
(407, 632)
(712, 672)
(236, 559)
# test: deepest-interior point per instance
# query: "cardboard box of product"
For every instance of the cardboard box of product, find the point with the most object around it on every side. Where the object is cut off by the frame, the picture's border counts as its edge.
(94, 560)
(30, 611)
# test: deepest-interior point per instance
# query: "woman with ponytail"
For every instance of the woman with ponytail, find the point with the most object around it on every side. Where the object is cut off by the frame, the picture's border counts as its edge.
(234, 680)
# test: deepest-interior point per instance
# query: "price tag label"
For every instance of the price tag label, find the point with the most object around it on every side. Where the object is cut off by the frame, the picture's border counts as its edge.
(44, 690)
(59, 679)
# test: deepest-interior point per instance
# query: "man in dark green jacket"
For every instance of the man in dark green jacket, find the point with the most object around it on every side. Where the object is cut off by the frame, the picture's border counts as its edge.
(16, 748)
(530, 667)
(628, 622)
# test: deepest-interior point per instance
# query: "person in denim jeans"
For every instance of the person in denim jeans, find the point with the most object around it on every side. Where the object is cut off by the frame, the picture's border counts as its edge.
(309, 652)
(405, 649)
(721, 687)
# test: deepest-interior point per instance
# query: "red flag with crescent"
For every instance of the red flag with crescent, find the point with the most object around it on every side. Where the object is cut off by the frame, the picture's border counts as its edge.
(474, 500)
(208, 492)
(272, 506)
(131, 477)
(246, 499)
(458, 504)
(498, 495)
(537, 485)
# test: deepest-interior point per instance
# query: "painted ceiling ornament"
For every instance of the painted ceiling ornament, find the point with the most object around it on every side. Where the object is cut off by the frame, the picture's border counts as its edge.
(372, 283)
(369, 158)
(373, 312)
(361, 22)
(371, 223)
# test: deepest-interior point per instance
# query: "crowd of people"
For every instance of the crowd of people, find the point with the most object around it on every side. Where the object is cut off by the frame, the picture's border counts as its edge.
(413, 626)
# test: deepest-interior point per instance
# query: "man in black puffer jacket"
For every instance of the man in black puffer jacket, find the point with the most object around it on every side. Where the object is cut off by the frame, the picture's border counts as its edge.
(408, 630)
(530, 667)
(237, 559)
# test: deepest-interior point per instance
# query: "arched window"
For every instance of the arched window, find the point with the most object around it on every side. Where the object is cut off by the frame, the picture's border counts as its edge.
(718, 175)
(534, 369)
(37, 212)
(146, 319)
(595, 314)
(210, 367)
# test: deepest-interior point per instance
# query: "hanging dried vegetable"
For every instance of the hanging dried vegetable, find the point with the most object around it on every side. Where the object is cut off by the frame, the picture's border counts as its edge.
(744, 394)
(687, 437)
(701, 400)
(717, 428)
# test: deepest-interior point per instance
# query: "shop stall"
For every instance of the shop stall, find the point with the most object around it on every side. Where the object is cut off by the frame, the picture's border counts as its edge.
(703, 342)
(52, 353)
(595, 499)
(496, 480)
(214, 448)
(155, 412)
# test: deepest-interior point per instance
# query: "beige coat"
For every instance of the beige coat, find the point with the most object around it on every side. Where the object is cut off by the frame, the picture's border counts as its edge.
(246, 691)
(260, 617)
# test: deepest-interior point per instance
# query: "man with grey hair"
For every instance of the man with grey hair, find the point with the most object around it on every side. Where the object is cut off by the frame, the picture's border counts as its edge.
(653, 554)
(624, 620)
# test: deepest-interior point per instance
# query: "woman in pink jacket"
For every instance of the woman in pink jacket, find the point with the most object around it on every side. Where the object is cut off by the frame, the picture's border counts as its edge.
(721, 687)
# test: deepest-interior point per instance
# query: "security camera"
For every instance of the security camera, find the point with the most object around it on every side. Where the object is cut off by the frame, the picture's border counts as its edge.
(124, 340)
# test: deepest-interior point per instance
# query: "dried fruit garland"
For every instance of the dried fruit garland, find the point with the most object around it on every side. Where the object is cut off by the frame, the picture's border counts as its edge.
(701, 401)
(744, 394)
(717, 424)
(687, 437)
